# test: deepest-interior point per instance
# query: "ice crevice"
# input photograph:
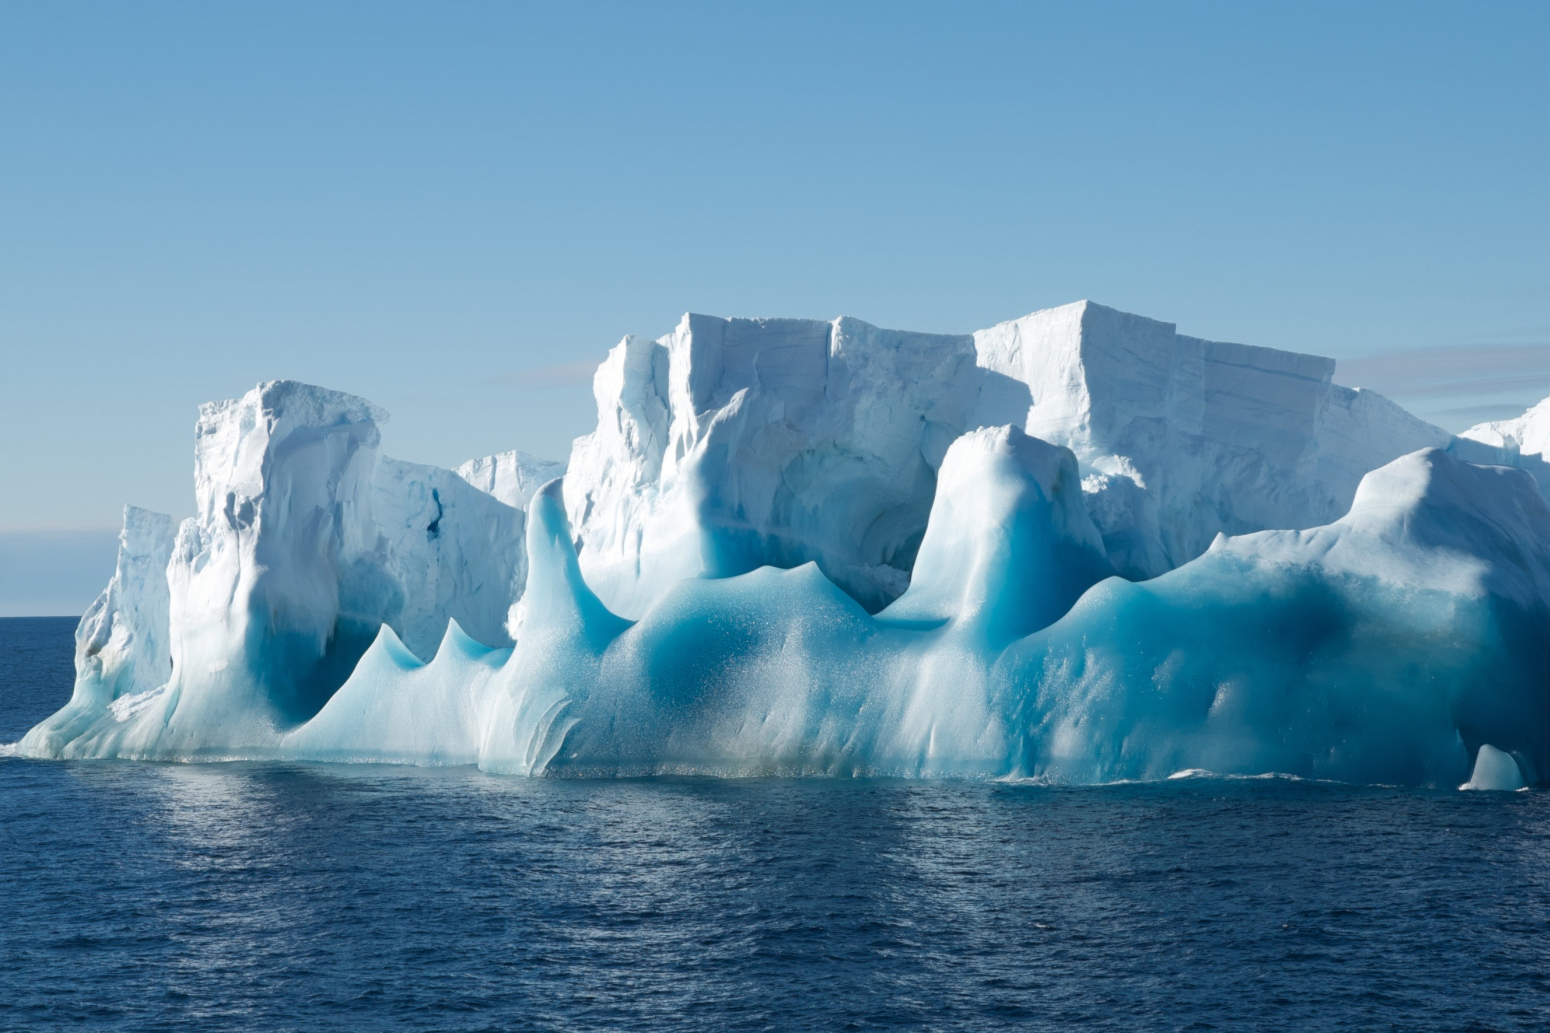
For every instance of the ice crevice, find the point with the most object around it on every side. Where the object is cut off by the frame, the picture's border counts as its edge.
(1074, 547)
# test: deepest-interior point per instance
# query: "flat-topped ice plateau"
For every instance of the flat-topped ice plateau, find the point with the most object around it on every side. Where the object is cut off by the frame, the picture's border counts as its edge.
(1075, 546)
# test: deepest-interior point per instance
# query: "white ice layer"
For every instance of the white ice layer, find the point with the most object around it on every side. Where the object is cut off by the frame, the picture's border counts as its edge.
(1494, 770)
(730, 444)
(511, 477)
(1183, 438)
(824, 547)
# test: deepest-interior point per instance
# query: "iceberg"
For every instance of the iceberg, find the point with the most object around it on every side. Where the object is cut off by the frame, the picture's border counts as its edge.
(1495, 771)
(1077, 547)
(306, 541)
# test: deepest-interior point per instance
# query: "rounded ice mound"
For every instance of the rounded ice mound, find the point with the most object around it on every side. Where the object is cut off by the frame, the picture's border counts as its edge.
(1387, 646)
(1494, 770)
(1009, 545)
(1432, 520)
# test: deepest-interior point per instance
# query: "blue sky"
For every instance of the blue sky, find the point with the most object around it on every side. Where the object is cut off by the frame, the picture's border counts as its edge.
(452, 208)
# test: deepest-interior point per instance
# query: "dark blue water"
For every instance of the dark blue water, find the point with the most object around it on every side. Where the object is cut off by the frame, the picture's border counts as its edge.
(218, 897)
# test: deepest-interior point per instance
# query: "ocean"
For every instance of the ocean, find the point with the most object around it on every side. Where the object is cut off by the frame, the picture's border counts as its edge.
(314, 897)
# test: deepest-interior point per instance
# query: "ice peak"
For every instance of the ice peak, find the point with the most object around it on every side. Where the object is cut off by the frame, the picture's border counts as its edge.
(1009, 546)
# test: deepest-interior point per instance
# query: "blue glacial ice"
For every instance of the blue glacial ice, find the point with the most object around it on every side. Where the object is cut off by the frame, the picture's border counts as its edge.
(1076, 547)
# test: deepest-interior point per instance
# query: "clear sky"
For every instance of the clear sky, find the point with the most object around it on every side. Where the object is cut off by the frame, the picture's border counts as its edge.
(454, 209)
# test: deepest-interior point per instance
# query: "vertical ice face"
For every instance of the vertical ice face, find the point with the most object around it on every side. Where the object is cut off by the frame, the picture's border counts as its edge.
(306, 541)
(729, 444)
(274, 581)
(121, 643)
(454, 551)
(734, 443)
(1181, 438)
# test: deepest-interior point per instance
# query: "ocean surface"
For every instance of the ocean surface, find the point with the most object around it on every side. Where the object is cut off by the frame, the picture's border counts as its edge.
(293, 897)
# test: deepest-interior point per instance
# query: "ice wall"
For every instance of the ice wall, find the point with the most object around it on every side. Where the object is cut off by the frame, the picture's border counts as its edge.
(1182, 438)
(305, 542)
(122, 641)
(121, 644)
(734, 443)
(453, 553)
(729, 444)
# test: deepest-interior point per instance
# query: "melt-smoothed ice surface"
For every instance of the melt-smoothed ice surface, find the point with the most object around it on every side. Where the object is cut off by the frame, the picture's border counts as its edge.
(1077, 546)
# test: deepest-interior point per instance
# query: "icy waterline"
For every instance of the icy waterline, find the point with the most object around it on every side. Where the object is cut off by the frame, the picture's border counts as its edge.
(797, 547)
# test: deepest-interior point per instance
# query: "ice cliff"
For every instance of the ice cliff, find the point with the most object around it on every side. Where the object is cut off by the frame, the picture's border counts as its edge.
(733, 443)
(794, 545)
(305, 542)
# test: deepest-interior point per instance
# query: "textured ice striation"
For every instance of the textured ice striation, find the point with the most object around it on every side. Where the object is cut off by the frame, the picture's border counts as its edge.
(1074, 547)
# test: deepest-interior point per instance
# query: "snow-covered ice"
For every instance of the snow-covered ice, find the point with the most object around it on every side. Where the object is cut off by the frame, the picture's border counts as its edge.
(1077, 546)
